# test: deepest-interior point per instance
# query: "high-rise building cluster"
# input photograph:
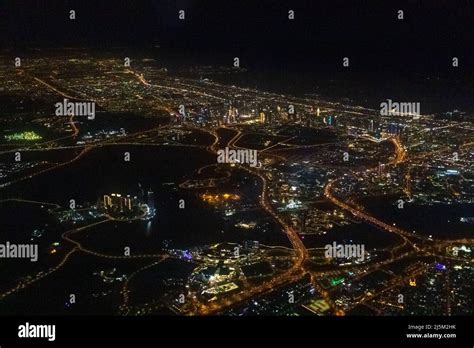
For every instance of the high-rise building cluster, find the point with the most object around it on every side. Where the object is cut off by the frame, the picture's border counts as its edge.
(118, 203)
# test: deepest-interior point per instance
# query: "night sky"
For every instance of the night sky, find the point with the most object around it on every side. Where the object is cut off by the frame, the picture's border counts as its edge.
(232, 22)
(431, 33)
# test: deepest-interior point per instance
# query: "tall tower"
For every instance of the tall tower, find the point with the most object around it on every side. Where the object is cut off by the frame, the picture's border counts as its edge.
(151, 200)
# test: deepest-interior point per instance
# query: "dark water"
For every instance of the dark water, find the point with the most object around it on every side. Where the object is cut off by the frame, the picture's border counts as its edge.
(160, 169)
(439, 220)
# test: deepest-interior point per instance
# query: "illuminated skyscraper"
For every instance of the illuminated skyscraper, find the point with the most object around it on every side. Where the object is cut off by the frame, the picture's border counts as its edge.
(151, 200)
(232, 115)
(107, 201)
(128, 202)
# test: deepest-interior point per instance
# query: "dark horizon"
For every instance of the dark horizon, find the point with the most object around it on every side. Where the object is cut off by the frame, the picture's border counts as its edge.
(429, 32)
